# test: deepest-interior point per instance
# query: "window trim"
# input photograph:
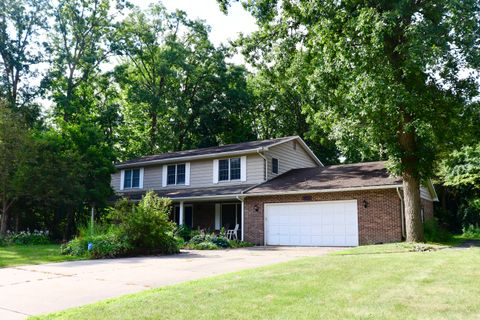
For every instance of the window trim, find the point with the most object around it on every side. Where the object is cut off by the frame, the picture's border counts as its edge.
(176, 174)
(140, 179)
(277, 166)
(229, 161)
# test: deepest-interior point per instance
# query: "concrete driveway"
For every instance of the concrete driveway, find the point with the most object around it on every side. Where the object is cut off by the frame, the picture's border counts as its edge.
(33, 290)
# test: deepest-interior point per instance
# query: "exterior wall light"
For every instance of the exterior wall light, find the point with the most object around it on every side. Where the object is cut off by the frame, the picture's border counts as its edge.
(255, 207)
(365, 203)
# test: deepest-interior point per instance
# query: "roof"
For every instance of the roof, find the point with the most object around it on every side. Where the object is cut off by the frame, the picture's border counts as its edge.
(225, 150)
(214, 192)
(347, 176)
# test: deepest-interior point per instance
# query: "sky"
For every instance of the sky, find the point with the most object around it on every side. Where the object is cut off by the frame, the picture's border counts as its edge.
(224, 27)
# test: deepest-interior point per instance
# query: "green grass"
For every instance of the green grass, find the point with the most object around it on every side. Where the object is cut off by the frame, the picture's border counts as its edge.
(33, 254)
(443, 284)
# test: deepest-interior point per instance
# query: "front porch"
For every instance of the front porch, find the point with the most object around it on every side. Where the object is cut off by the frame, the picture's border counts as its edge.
(210, 216)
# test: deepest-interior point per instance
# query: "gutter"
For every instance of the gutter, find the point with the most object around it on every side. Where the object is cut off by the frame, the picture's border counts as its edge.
(266, 163)
(282, 192)
(402, 211)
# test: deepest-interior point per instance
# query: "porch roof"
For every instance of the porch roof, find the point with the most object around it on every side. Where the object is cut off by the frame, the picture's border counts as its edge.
(193, 193)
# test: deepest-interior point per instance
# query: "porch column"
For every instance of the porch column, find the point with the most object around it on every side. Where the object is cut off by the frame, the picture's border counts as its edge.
(180, 215)
(242, 220)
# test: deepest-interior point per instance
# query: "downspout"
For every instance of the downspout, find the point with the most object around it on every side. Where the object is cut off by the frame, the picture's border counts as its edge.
(241, 217)
(402, 210)
(266, 163)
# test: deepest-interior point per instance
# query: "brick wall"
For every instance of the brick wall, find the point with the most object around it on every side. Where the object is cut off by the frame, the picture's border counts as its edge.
(379, 222)
(427, 206)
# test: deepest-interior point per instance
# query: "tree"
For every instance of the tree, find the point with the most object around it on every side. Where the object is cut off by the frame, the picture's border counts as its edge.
(21, 51)
(280, 94)
(386, 74)
(84, 100)
(79, 45)
(14, 149)
(177, 82)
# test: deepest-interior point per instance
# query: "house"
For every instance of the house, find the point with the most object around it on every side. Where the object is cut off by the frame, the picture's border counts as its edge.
(277, 191)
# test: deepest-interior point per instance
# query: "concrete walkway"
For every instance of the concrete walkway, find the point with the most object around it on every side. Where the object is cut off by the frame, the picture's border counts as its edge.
(33, 290)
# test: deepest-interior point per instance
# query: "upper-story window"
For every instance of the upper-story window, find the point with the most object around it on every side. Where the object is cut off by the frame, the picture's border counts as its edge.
(131, 178)
(229, 169)
(176, 174)
(274, 165)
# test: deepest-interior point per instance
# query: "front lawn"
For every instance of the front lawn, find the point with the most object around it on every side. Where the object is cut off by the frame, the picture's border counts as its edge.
(443, 284)
(31, 254)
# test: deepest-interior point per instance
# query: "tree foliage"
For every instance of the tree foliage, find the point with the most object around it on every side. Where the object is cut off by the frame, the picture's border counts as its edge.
(385, 75)
(178, 83)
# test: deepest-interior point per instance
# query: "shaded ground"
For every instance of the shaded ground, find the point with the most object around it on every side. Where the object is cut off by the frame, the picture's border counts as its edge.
(469, 244)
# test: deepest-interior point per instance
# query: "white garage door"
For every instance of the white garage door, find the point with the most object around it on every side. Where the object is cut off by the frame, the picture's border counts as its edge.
(326, 223)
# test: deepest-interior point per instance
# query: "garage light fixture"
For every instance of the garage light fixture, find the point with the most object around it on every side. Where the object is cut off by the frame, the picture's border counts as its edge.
(255, 207)
(365, 203)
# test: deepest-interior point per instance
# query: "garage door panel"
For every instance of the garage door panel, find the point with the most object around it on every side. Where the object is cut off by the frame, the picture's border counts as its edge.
(312, 224)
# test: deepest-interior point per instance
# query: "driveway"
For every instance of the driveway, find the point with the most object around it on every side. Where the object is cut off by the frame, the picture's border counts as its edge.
(33, 290)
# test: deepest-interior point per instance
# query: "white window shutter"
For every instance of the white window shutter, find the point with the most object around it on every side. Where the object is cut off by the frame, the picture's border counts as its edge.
(164, 175)
(217, 216)
(122, 179)
(215, 171)
(141, 179)
(187, 173)
(243, 168)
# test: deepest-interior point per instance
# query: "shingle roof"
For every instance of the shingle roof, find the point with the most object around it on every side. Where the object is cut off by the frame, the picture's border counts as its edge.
(192, 192)
(367, 174)
(244, 146)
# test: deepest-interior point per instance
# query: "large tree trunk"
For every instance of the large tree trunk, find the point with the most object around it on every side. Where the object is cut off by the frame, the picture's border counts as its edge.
(413, 222)
(4, 219)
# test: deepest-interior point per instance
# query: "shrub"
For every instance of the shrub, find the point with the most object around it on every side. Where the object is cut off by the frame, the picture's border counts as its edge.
(434, 232)
(147, 227)
(469, 212)
(107, 245)
(183, 232)
(240, 244)
(221, 242)
(197, 239)
(206, 245)
(26, 238)
(471, 232)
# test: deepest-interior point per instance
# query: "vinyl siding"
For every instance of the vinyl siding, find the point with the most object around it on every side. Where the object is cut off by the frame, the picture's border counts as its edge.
(201, 175)
(425, 194)
(115, 181)
(288, 158)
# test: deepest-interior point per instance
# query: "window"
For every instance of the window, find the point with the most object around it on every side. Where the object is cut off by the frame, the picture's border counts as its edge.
(229, 169)
(274, 165)
(235, 169)
(223, 170)
(131, 179)
(176, 174)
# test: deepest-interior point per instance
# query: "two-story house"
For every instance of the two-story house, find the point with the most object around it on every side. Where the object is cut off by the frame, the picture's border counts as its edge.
(277, 191)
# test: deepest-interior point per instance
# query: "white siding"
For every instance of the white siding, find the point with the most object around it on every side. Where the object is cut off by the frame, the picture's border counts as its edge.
(288, 158)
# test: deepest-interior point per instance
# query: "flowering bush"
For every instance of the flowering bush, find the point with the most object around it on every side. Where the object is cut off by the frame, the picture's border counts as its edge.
(26, 237)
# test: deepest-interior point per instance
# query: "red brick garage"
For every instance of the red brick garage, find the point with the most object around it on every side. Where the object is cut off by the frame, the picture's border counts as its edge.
(377, 195)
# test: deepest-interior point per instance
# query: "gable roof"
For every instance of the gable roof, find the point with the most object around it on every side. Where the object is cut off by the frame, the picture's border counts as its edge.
(225, 150)
(367, 175)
